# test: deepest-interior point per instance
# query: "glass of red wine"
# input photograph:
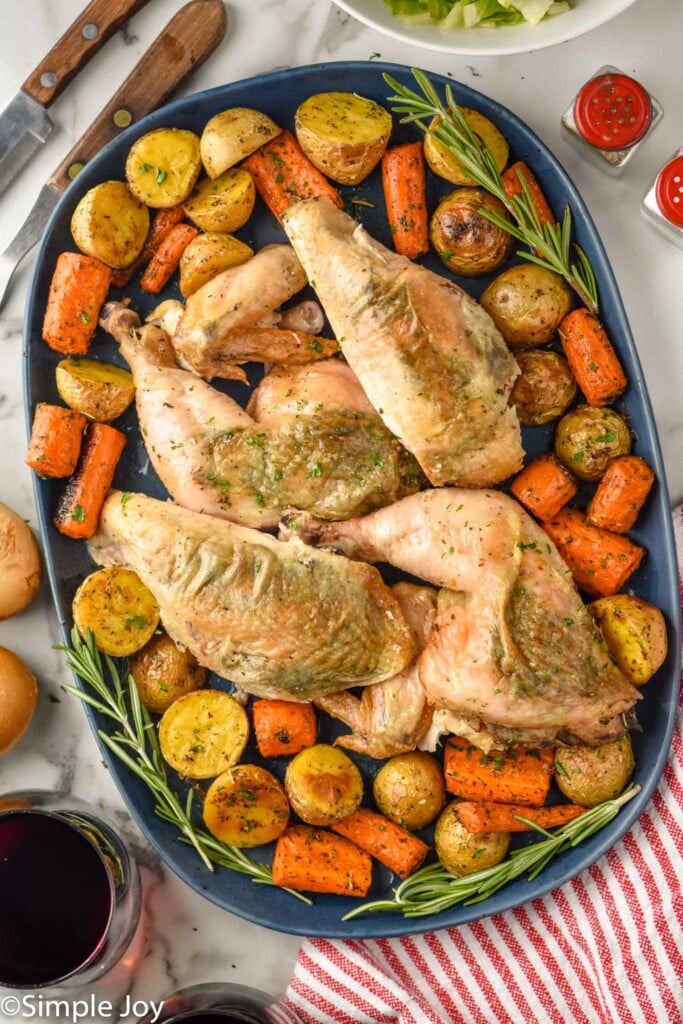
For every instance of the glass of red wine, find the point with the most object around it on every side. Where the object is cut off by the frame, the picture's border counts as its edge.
(214, 1003)
(70, 894)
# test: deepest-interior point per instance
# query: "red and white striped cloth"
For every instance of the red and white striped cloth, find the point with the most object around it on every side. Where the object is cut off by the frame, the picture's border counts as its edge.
(606, 948)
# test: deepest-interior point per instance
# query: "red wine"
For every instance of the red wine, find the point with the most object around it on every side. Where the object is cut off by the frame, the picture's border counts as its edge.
(56, 899)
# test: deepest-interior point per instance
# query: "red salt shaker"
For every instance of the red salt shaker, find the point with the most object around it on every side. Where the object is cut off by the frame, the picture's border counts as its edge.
(663, 204)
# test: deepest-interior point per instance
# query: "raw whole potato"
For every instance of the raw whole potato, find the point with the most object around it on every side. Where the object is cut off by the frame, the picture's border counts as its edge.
(462, 853)
(18, 696)
(223, 204)
(465, 241)
(544, 389)
(110, 224)
(323, 784)
(590, 775)
(20, 565)
(163, 672)
(527, 303)
(207, 256)
(246, 806)
(163, 165)
(343, 134)
(231, 136)
(588, 438)
(203, 733)
(410, 789)
(101, 391)
(635, 634)
(118, 608)
(447, 166)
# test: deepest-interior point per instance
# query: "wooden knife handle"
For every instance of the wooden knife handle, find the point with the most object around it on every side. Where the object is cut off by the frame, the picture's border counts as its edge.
(81, 41)
(188, 39)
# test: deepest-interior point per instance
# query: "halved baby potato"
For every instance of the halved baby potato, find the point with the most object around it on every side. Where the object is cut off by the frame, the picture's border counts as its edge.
(232, 136)
(100, 391)
(343, 134)
(323, 785)
(635, 633)
(163, 165)
(163, 672)
(447, 166)
(246, 806)
(223, 204)
(207, 256)
(111, 224)
(464, 239)
(462, 853)
(119, 609)
(203, 733)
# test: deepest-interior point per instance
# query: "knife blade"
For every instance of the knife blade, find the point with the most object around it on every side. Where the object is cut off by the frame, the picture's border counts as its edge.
(25, 123)
(188, 39)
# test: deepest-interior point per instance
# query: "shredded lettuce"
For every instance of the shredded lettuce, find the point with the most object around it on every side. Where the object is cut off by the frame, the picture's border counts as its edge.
(450, 14)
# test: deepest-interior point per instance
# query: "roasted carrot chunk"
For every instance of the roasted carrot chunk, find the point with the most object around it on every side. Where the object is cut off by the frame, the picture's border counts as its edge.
(283, 174)
(601, 562)
(544, 487)
(312, 860)
(513, 187)
(56, 438)
(162, 225)
(621, 494)
(486, 816)
(79, 509)
(166, 257)
(384, 840)
(403, 181)
(591, 357)
(515, 775)
(283, 726)
(77, 293)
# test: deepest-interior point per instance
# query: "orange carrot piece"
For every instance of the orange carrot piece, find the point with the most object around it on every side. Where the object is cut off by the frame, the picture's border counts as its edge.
(621, 494)
(283, 174)
(486, 816)
(591, 357)
(167, 257)
(283, 726)
(513, 187)
(162, 225)
(312, 860)
(79, 508)
(403, 181)
(544, 487)
(600, 562)
(56, 438)
(384, 840)
(77, 292)
(515, 775)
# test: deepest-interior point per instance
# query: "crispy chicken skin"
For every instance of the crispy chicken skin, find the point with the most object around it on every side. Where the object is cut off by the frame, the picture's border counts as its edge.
(513, 653)
(429, 358)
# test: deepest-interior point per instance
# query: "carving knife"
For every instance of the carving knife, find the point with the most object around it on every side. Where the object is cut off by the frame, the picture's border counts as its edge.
(188, 39)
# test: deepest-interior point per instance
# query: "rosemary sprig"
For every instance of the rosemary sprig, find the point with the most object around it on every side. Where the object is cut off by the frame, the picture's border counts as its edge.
(135, 743)
(433, 889)
(550, 244)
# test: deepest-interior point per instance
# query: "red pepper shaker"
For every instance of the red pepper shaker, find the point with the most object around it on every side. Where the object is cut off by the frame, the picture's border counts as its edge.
(663, 204)
(610, 117)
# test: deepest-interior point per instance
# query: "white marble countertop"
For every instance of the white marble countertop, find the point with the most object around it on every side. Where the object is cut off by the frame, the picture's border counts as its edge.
(190, 940)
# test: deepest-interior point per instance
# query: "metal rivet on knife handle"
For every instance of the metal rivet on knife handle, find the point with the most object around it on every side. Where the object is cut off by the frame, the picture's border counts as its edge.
(90, 31)
(122, 118)
(48, 79)
(74, 169)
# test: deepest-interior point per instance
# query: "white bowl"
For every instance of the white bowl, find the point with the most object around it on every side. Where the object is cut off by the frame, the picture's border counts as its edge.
(584, 16)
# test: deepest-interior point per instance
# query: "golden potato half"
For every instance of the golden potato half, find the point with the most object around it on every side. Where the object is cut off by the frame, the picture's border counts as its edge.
(203, 733)
(447, 166)
(111, 224)
(163, 672)
(635, 634)
(18, 696)
(527, 304)
(223, 204)
(587, 438)
(246, 806)
(323, 784)
(20, 565)
(343, 134)
(462, 853)
(231, 136)
(410, 789)
(118, 608)
(101, 391)
(163, 165)
(590, 775)
(207, 256)
(463, 238)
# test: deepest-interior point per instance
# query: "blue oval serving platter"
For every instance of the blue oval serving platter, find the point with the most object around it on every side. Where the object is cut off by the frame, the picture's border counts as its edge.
(278, 95)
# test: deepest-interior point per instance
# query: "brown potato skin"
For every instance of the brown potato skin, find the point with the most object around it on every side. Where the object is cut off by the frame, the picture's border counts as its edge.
(20, 565)
(462, 853)
(587, 439)
(409, 789)
(544, 389)
(246, 806)
(163, 672)
(323, 785)
(465, 241)
(527, 303)
(635, 633)
(590, 775)
(18, 697)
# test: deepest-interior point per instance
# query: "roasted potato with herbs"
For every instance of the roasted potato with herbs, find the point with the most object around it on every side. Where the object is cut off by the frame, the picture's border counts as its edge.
(18, 698)
(223, 204)
(447, 166)
(110, 224)
(232, 136)
(20, 565)
(587, 439)
(462, 853)
(163, 165)
(323, 784)
(246, 806)
(101, 391)
(342, 134)
(635, 634)
(409, 789)
(589, 775)
(544, 389)
(464, 240)
(163, 672)
(203, 733)
(527, 303)
(207, 256)
(119, 609)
